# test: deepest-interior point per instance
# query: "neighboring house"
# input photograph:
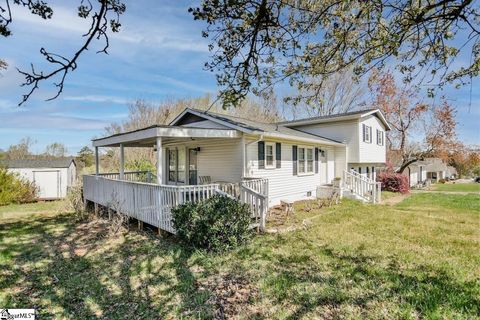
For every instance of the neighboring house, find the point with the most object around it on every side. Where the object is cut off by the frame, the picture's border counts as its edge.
(417, 173)
(436, 169)
(272, 162)
(432, 169)
(52, 177)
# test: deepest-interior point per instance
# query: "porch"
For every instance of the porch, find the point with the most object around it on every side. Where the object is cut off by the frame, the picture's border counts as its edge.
(192, 164)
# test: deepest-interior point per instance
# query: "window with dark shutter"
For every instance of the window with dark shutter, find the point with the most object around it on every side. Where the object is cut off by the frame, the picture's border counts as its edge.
(294, 160)
(261, 155)
(364, 132)
(278, 154)
(316, 160)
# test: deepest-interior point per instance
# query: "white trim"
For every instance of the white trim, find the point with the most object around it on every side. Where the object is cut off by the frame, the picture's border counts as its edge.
(306, 172)
(174, 132)
(339, 118)
(274, 154)
(208, 117)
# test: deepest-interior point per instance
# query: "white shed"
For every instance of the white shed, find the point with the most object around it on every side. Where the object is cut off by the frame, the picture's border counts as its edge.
(53, 177)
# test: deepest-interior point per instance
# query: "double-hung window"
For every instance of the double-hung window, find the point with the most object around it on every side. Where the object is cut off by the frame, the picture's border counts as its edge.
(269, 155)
(367, 133)
(305, 160)
(380, 137)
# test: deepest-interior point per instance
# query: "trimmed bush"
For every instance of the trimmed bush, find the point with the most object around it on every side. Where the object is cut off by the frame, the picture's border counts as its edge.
(216, 224)
(394, 182)
(442, 181)
(15, 189)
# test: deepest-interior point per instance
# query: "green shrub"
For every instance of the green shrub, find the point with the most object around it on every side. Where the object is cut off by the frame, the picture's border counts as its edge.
(442, 181)
(216, 224)
(15, 189)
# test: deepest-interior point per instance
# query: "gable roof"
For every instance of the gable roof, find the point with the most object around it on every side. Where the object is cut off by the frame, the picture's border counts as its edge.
(275, 130)
(339, 117)
(38, 163)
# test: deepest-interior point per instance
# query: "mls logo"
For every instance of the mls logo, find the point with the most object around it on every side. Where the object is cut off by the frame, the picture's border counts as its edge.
(19, 314)
(4, 315)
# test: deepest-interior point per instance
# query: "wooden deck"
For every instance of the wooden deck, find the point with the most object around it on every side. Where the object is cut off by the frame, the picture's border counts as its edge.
(152, 203)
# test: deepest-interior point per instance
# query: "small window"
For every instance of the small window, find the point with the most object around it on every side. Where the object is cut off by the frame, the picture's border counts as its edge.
(380, 137)
(269, 155)
(301, 160)
(367, 133)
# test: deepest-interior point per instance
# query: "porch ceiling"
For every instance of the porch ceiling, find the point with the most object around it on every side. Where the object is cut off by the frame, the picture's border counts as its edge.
(147, 137)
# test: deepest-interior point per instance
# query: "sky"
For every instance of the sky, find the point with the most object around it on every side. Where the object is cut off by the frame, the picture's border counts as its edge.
(159, 54)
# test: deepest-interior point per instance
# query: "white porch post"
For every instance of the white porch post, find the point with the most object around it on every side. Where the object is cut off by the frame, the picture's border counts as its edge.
(97, 163)
(159, 161)
(244, 171)
(122, 162)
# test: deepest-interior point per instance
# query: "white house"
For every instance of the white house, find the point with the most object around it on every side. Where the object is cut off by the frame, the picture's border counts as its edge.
(52, 177)
(270, 162)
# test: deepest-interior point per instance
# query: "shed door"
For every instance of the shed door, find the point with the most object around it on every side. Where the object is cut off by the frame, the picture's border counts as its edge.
(48, 183)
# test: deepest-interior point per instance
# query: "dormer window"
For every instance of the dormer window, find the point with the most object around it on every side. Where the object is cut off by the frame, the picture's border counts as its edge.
(367, 133)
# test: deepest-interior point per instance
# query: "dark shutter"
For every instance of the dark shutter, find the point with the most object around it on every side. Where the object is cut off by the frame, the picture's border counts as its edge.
(261, 154)
(316, 160)
(363, 131)
(359, 169)
(278, 154)
(294, 160)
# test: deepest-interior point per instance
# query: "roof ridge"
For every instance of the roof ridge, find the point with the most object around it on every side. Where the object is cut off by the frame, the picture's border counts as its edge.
(228, 115)
(331, 116)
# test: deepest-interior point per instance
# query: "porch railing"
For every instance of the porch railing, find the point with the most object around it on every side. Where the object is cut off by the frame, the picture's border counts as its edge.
(152, 203)
(363, 187)
(139, 176)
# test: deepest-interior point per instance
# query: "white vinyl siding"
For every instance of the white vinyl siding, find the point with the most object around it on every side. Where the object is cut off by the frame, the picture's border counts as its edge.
(282, 183)
(205, 124)
(220, 159)
(370, 152)
(341, 131)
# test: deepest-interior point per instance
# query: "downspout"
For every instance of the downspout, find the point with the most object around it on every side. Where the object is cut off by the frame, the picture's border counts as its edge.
(245, 153)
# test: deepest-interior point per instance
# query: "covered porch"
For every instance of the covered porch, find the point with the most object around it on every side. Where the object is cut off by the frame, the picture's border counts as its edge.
(192, 164)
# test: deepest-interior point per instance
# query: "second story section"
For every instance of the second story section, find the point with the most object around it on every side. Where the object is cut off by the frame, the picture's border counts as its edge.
(364, 132)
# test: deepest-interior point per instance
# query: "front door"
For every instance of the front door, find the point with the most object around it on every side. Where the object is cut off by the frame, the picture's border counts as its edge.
(192, 166)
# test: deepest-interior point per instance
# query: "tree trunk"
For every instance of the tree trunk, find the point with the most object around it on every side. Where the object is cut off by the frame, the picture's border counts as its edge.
(405, 164)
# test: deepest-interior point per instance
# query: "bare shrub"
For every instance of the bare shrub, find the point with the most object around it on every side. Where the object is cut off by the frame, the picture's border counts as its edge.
(75, 202)
(118, 220)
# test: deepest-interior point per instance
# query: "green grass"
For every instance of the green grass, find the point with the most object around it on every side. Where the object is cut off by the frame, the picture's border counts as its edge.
(417, 259)
(458, 187)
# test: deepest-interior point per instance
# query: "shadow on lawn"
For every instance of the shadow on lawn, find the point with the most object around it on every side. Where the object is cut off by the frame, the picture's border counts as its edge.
(78, 270)
(360, 281)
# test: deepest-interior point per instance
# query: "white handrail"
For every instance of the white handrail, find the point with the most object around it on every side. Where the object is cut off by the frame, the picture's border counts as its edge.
(363, 187)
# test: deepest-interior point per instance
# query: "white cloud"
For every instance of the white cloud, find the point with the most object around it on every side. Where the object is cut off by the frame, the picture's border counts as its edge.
(134, 30)
(97, 98)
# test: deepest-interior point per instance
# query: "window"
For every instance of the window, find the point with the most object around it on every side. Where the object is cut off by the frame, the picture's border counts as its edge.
(309, 160)
(380, 137)
(269, 155)
(305, 160)
(176, 165)
(367, 133)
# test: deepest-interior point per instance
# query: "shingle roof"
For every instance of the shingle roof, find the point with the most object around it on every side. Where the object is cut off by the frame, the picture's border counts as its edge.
(332, 116)
(38, 163)
(261, 126)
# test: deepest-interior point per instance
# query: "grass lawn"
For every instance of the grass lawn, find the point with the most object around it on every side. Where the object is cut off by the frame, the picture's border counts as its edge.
(417, 259)
(459, 187)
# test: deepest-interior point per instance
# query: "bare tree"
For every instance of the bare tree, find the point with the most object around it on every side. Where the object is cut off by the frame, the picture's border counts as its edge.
(339, 93)
(104, 16)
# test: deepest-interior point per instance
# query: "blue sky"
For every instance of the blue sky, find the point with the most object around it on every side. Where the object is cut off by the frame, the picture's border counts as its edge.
(158, 54)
